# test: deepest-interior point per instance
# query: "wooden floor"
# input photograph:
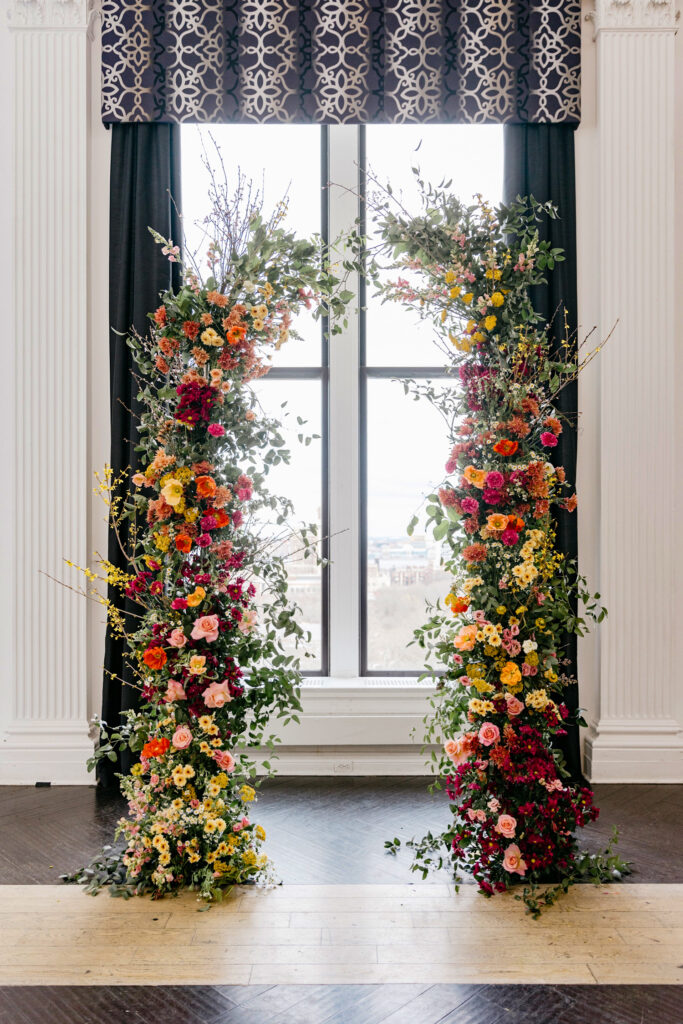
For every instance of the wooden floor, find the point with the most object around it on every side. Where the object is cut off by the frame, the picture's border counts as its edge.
(351, 938)
(332, 934)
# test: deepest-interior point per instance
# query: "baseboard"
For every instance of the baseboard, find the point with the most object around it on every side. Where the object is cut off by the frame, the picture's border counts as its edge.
(51, 752)
(349, 761)
(633, 752)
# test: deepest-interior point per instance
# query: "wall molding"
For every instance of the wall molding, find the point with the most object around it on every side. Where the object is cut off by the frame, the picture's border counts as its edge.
(347, 761)
(634, 15)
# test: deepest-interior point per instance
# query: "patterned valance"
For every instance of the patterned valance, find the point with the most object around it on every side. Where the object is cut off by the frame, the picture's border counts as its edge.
(341, 61)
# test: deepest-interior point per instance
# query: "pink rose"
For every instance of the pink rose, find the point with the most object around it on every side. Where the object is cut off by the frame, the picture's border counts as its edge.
(513, 862)
(175, 690)
(476, 815)
(182, 737)
(514, 706)
(177, 638)
(489, 734)
(205, 628)
(224, 760)
(217, 695)
(216, 430)
(506, 825)
(493, 805)
(548, 440)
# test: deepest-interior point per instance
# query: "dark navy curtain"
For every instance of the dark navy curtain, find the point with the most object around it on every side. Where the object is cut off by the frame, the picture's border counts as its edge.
(539, 162)
(341, 61)
(144, 192)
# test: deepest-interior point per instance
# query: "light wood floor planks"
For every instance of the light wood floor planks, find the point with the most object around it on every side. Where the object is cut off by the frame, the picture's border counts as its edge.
(332, 934)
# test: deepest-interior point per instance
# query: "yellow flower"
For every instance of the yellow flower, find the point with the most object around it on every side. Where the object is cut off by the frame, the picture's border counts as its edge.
(249, 858)
(449, 277)
(136, 769)
(197, 664)
(481, 707)
(497, 299)
(260, 832)
(501, 609)
(490, 322)
(532, 658)
(494, 275)
(510, 675)
(172, 492)
(205, 722)
(210, 338)
(247, 793)
(467, 298)
(551, 675)
(162, 541)
(454, 292)
(537, 699)
(257, 324)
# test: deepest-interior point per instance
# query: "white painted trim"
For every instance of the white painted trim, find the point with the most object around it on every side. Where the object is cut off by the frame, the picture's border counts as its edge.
(348, 761)
(54, 752)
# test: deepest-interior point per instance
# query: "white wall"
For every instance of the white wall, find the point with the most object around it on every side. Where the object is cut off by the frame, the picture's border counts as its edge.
(363, 730)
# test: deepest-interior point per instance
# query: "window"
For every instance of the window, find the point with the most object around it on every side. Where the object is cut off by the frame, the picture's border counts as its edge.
(378, 452)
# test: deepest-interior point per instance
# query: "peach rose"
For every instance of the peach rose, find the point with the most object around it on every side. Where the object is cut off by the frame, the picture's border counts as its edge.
(506, 825)
(205, 628)
(489, 734)
(513, 862)
(217, 695)
(182, 737)
(514, 706)
(177, 638)
(455, 750)
(224, 760)
(175, 691)
(197, 664)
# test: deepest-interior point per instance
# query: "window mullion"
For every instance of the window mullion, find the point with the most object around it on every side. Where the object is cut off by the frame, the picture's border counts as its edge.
(344, 424)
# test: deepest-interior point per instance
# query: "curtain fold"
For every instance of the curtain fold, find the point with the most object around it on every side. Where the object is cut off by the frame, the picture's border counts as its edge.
(144, 192)
(539, 162)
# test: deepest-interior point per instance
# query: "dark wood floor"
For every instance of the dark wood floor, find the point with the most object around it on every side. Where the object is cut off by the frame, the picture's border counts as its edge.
(345, 1004)
(342, 825)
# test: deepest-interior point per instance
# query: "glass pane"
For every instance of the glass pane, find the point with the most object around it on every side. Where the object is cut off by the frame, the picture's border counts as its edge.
(301, 482)
(264, 154)
(407, 449)
(470, 155)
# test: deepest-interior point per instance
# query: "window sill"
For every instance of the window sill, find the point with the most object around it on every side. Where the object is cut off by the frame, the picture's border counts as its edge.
(354, 683)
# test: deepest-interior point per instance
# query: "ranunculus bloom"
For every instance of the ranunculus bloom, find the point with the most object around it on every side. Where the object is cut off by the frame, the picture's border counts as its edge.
(217, 695)
(513, 862)
(509, 538)
(506, 825)
(197, 664)
(216, 430)
(175, 691)
(224, 760)
(177, 638)
(206, 486)
(205, 628)
(204, 540)
(156, 747)
(495, 480)
(182, 737)
(488, 734)
(178, 604)
(548, 439)
(505, 447)
(155, 658)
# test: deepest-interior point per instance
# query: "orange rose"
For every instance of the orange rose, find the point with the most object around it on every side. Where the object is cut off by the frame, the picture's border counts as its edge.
(183, 543)
(155, 658)
(206, 486)
(505, 447)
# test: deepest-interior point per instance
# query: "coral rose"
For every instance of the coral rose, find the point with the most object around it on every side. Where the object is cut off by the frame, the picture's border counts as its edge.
(514, 706)
(206, 486)
(488, 734)
(513, 862)
(182, 737)
(205, 628)
(217, 695)
(155, 658)
(225, 761)
(175, 691)
(506, 825)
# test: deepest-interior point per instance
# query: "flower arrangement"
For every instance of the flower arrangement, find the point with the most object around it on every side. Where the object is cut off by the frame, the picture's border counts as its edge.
(495, 646)
(211, 647)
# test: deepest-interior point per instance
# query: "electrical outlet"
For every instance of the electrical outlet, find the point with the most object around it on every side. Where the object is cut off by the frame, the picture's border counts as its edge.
(343, 767)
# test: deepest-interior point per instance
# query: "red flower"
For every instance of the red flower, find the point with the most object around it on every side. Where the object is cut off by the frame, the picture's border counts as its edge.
(183, 542)
(155, 658)
(190, 329)
(160, 315)
(505, 447)
(156, 747)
